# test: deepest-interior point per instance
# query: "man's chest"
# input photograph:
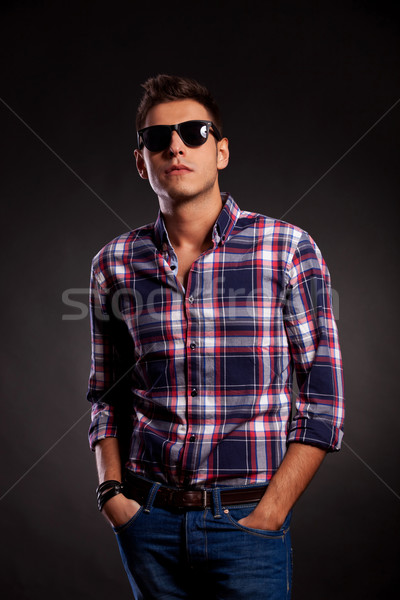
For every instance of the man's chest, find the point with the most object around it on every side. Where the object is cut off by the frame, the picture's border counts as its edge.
(228, 299)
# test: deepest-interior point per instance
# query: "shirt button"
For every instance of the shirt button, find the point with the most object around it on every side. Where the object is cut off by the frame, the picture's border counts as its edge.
(191, 299)
(194, 392)
(193, 345)
(192, 438)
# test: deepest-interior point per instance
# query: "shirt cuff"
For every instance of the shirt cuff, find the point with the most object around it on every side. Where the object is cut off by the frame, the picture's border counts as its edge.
(102, 425)
(315, 432)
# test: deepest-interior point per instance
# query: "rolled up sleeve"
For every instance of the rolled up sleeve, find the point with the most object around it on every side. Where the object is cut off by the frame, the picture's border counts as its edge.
(314, 345)
(102, 378)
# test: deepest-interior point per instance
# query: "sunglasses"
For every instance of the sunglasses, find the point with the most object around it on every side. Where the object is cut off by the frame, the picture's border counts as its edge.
(192, 134)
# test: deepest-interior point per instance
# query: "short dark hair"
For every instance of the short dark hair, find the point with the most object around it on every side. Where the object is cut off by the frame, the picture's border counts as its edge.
(167, 88)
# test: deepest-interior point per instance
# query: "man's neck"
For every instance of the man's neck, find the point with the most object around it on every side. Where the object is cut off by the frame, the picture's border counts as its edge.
(189, 224)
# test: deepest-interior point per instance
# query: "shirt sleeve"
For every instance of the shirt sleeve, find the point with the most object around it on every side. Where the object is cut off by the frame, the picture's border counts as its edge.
(108, 388)
(101, 376)
(313, 340)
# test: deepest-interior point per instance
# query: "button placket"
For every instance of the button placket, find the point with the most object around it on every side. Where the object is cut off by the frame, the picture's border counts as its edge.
(192, 310)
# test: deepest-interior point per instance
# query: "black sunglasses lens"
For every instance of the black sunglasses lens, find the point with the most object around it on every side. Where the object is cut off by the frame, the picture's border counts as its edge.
(194, 133)
(157, 138)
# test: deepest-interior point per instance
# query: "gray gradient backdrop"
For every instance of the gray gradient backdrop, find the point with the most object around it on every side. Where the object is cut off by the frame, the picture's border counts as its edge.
(308, 93)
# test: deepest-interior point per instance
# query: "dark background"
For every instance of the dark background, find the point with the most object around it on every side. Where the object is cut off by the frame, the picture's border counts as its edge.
(299, 83)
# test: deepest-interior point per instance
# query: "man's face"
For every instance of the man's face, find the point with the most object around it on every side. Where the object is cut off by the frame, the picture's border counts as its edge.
(199, 177)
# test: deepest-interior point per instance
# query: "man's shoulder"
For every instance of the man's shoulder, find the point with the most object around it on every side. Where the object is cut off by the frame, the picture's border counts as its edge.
(269, 226)
(124, 246)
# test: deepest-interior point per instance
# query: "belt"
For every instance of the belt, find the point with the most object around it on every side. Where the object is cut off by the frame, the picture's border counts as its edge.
(138, 489)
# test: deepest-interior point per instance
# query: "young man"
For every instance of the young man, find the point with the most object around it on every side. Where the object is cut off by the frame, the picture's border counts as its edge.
(199, 321)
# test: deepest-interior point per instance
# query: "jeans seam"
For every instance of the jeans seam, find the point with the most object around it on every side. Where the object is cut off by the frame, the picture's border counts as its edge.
(205, 534)
(244, 505)
(151, 497)
(186, 538)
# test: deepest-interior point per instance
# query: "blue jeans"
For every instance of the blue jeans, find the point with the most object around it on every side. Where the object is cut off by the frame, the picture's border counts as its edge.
(204, 555)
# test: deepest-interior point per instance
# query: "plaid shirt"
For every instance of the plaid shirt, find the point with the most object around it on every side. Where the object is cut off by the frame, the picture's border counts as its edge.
(197, 383)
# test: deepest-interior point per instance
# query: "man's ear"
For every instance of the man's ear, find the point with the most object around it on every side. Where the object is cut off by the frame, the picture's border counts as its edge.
(222, 153)
(140, 165)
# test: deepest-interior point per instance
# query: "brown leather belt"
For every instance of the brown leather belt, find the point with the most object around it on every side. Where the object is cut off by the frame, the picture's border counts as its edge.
(138, 489)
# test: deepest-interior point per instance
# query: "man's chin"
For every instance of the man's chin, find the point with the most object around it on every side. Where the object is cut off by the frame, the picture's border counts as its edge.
(181, 195)
(178, 196)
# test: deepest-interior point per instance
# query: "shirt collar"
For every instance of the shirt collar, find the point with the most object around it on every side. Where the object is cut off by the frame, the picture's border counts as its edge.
(222, 227)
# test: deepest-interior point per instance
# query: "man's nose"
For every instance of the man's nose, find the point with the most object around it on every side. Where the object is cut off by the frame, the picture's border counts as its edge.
(176, 145)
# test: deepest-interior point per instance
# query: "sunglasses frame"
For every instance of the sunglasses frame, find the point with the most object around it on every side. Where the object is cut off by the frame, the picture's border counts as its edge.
(211, 128)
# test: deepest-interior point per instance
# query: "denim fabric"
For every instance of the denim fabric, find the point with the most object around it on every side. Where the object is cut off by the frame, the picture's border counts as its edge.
(204, 554)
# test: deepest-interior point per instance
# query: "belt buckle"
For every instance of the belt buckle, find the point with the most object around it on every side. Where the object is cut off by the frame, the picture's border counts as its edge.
(204, 498)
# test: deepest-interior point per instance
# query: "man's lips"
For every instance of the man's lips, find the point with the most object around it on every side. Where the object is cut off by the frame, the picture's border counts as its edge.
(177, 169)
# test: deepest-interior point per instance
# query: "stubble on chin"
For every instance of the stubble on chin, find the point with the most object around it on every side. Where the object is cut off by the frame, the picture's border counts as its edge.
(173, 197)
(184, 194)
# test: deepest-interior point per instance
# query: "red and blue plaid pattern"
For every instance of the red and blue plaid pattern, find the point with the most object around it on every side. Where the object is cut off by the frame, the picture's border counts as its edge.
(197, 382)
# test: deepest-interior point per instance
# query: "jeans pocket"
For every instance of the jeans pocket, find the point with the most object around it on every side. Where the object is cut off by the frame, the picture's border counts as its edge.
(125, 526)
(235, 514)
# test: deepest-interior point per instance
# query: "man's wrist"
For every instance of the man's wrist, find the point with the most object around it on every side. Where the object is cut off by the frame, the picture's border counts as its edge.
(107, 490)
(113, 504)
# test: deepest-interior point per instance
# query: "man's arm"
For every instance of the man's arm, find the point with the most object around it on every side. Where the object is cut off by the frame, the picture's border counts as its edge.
(119, 509)
(314, 347)
(103, 392)
(298, 467)
(317, 424)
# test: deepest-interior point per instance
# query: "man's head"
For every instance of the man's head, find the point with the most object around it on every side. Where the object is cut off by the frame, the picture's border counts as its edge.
(167, 88)
(175, 151)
